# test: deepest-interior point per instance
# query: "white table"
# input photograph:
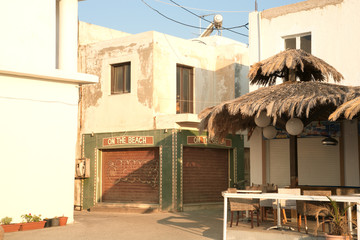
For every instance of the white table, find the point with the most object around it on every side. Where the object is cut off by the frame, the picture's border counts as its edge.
(276, 196)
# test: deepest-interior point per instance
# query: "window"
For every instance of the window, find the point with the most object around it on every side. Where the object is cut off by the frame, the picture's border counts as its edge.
(184, 89)
(299, 42)
(120, 78)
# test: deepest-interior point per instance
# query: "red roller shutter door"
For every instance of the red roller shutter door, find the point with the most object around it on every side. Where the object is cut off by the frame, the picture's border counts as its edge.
(205, 174)
(130, 175)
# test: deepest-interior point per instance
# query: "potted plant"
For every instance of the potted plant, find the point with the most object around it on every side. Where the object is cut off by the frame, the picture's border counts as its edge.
(62, 220)
(31, 222)
(8, 226)
(51, 222)
(338, 221)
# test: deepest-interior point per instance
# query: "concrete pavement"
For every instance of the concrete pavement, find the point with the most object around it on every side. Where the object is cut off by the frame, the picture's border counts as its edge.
(194, 225)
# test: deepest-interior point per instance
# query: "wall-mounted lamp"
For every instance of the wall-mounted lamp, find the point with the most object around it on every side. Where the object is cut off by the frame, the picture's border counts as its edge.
(329, 141)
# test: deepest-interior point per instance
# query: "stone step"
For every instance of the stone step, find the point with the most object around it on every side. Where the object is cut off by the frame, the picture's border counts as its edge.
(125, 208)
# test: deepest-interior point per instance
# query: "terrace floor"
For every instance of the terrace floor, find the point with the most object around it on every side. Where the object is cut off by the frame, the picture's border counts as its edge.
(244, 230)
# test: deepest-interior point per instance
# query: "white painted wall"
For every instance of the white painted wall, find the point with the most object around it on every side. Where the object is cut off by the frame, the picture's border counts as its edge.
(351, 153)
(38, 128)
(334, 39)
(28, 33)
(39, 108)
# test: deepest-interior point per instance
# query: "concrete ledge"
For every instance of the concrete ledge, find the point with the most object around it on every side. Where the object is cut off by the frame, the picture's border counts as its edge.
(125, 208)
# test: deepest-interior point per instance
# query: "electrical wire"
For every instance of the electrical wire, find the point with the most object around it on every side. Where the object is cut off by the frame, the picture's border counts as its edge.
(205, 10)
(188, 25)
(206, 19)
(171, 19)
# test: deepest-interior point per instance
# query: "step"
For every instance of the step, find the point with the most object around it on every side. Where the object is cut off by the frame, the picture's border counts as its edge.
(125, 208)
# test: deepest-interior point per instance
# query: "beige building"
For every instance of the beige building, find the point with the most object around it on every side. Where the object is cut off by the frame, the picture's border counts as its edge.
(151, 88)
(328, 30)
(39, 97)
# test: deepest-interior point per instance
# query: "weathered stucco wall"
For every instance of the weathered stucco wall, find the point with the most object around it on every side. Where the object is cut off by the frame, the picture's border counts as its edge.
(104, 111)
(90, 33)
(152, 101)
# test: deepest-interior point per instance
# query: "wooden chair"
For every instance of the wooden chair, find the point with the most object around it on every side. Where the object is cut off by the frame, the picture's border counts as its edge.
(240, 205)
(266, 204)
(288, 204)
(311, 208)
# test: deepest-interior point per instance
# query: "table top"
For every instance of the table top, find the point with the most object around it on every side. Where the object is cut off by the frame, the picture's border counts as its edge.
(248, 191)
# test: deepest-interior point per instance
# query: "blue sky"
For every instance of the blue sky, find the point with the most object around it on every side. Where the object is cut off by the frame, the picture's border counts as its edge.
(134, 16)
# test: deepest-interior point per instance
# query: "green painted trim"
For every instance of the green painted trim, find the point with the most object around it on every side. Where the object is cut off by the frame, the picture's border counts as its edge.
(170, 143)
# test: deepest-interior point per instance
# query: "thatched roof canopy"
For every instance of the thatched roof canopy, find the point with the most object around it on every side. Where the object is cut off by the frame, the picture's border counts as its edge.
(349, 110)
(308, 101)
(305, 66)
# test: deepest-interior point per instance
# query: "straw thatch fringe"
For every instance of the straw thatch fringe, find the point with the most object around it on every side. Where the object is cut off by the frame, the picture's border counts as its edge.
(305, 66)
(349, 110)
(306, 100)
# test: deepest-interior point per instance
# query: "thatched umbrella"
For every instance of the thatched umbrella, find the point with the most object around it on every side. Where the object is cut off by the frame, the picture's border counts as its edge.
(300, 64)
(349, 110)
(308, 98)
(308, 101)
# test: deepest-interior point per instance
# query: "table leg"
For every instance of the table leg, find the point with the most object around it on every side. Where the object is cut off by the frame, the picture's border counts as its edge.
(349, 217)
(358, 218)
(225, 217)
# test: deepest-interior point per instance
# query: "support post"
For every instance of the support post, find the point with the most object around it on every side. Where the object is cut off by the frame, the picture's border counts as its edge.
(293, 161)
(225, 217)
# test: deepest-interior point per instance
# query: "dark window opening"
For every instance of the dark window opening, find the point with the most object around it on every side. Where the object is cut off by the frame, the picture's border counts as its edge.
(120, 78)
(184, 89)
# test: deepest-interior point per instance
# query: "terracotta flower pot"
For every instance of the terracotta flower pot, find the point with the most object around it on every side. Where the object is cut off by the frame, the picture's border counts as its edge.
(32, 225)
(62, 221)
(11, 227)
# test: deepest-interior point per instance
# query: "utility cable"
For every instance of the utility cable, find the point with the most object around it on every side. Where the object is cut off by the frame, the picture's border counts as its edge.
(188, 25)
(206, 19)
(205, 10)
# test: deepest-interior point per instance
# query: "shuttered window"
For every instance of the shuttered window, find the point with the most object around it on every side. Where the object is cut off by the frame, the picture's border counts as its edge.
(205, 174)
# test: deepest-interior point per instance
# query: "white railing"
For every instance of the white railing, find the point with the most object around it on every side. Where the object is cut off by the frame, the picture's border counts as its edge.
(276, 196)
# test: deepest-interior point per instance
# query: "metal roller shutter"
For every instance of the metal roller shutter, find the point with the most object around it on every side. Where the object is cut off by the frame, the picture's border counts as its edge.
(130, 175)
(205, 174)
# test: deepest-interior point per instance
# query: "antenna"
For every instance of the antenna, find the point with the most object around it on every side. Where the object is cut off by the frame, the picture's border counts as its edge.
(256, 6)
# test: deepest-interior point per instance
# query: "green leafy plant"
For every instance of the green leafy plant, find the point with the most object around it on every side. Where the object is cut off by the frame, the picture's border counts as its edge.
(6, 220)
(337, 218)
(31, 218)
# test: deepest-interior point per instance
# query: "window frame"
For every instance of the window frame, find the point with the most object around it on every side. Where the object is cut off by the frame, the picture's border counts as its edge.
(297, 38)
(180, 101)
(126, 78)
